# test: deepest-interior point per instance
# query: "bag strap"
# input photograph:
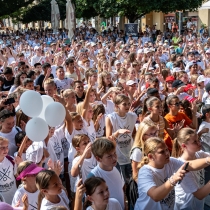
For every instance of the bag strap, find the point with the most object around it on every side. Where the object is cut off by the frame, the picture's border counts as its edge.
(134, 149)
(11, 160)
(18, 130)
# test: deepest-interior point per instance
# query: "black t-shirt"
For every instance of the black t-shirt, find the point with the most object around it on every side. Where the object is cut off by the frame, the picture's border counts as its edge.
(80, 99)
(40, 80)
(7, 84)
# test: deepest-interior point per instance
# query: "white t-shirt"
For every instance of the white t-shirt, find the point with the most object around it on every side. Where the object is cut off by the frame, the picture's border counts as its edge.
(87, 166)
(36, 59)
(136, 155)
(32, 198)
(90, 129)
(66, 83)
(64, 201)
(109, 107)
(149, 177)
(7, 180)
(72, 151)
(112, 205)
(11, 137)
(114, 181)
(193, 181)
(124, 141)
(100, 131)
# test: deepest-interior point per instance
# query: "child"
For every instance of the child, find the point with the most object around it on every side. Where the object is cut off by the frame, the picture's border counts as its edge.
(175, 117)
(144, 132)
(51, 191)
(99, 119)
(105, 153)
(19, 138)
(122, 119)
(187, 147)
(98, 195)
(70, 99)
(62, 82)
(111, 94)
(83, 158)
(86, 111)
(50, 87)
(158, 175)
(105, 82)
(132, 75)
(91, 76)
(7, 179)
(27, 172)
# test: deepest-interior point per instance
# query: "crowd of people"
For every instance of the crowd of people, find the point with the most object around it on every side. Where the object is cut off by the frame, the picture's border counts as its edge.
(136, 134)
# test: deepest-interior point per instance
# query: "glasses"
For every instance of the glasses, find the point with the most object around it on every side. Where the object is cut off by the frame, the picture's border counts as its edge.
(4, 148)
(176, 104)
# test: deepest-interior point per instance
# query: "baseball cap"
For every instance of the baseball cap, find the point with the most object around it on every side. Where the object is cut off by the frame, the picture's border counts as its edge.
(207, 87)
(30, 170)
(152, 91)
(170, 78)
(177, 83)
(36, 47)
(146, 50)
(140, 51)
(201, 78)
(130, 82)
(189, 87)
(93, 44)
(117, 62)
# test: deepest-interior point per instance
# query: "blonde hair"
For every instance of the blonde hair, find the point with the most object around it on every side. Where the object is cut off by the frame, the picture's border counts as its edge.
(49, 81)
(207, 72)
(183, 136)
(2, 139)
(79, 108)
(193, 78)
(142, 129)
(67, 92)
(150, 146)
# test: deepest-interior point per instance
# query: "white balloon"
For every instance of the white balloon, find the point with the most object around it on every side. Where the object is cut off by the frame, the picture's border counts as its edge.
(46, 101)
(37, 129)
(55, 114)
(31, 103)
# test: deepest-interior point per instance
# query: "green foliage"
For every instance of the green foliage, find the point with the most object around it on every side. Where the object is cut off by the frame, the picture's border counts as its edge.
(7, 7)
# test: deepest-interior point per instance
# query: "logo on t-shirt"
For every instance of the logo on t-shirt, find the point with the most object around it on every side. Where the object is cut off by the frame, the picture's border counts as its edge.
(5, 177)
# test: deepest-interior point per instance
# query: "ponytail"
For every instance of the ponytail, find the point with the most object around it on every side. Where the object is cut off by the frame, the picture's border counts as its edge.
(40, 198)
(145, 109)
(177, 150)
(86, 204)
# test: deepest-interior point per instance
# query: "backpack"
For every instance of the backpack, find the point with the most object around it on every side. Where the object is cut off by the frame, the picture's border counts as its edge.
(132, 188)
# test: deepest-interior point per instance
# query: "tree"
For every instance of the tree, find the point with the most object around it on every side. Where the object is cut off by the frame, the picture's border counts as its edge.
(7, 7)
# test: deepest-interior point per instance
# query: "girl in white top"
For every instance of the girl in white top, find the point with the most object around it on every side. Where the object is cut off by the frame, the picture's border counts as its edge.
(121, 119)
(27, 172)
(86, 111)
(158, 175)
(51, 191)
(98, 195)
(84, 157)
(144, 132)
(187, 147)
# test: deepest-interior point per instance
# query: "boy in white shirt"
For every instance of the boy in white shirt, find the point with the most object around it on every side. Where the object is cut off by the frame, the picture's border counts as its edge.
(104, 151)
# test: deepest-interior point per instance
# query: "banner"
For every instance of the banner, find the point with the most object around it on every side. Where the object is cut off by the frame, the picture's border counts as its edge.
(131, 29)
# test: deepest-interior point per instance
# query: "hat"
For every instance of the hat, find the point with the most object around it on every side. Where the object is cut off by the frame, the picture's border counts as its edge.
(208, 51)
(140, 51)
(93, 44)
(7, 70)
(171, 46)
(189, 98)
(30, 170)
(36, 47)
(34, 152)
(189, 87)
(166, 41)
(207, 87)
(191, 63)
(170, 78)
(52, 44)
(130, 82)
(117, 62)
(152, 91)
(176, 69)
(177, 83)
(146, 50)
(17, 37)
(5, 206)
(201, 78)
